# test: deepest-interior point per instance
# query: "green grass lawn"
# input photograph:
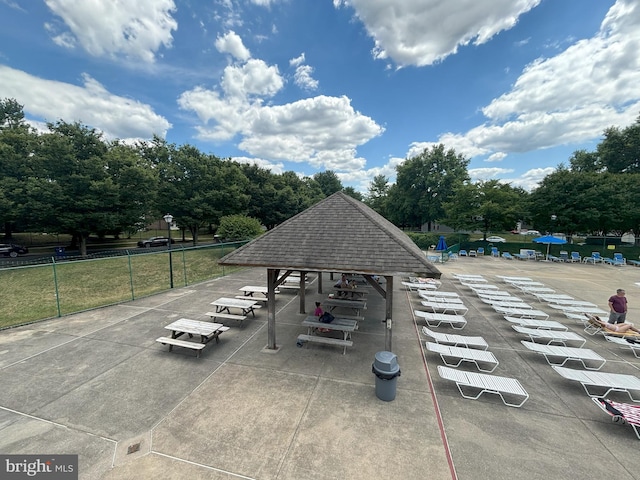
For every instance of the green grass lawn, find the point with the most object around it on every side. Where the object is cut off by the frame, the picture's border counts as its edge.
(37, 292)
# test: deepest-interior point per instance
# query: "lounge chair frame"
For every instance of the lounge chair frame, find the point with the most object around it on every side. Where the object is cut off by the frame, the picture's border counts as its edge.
(610, 382)
(589, 359)
(481, 383)
(453, 356)
(456, 322)
(456, 340)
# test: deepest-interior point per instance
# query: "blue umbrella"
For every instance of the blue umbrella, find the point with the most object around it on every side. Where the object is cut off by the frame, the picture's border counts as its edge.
(442, 244)
(549, 239)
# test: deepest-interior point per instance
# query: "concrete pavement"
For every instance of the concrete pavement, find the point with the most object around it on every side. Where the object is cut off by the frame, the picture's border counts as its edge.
(97, 384)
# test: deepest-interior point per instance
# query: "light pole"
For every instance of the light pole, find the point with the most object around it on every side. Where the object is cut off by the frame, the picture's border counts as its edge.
(169, 218)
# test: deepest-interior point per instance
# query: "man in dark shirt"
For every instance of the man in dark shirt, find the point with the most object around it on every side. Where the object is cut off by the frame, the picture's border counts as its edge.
(618, 307)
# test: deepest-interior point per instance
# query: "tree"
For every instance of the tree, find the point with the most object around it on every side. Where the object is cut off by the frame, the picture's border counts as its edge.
(328, 181)
(485, 206)
(197, 189)
(424, 183)
(352, 192)
(377, 194)
(17, 143)
(619, 152)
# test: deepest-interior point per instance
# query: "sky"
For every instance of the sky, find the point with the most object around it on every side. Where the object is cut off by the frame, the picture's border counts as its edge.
(352, 86)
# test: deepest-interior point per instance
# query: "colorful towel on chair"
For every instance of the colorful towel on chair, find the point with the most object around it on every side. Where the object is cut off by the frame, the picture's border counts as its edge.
(621, 413)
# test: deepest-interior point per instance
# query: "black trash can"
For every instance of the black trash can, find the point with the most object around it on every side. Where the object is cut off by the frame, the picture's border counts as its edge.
(386, 369)
(59, 251)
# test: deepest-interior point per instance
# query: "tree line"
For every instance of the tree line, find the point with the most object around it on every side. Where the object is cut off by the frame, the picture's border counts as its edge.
(70, 180)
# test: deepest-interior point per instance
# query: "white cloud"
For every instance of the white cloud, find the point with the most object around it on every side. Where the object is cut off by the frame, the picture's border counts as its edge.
(323, 131)
(573, 96)
(304, 79)
(112, 28)
(276, 168)
(303, 76)
(496, 157)
(423, 32)
(231, 43)
(90, 104)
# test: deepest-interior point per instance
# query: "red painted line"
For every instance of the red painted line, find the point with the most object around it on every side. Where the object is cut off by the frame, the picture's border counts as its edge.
(443, 435)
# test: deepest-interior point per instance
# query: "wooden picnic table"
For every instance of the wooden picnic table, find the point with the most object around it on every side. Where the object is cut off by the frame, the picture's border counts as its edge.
(346, 326)
(344, 292)
(207, 330)
(249, 290)
(224, 304)
(356, 305)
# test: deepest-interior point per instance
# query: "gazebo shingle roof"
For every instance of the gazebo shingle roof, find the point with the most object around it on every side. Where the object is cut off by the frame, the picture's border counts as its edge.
(338, 234)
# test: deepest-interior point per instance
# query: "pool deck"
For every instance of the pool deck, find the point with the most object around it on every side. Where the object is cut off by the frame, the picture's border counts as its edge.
(97, 384)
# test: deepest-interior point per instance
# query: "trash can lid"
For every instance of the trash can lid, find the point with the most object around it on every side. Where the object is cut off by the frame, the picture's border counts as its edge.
(386, 362)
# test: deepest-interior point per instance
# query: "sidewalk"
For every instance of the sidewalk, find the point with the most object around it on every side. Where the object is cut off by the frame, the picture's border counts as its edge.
(97, 384)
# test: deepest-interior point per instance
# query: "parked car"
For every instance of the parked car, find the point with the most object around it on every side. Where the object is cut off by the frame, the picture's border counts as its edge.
(530, 232)
(496, 239)
(155, 242)
(12, 250)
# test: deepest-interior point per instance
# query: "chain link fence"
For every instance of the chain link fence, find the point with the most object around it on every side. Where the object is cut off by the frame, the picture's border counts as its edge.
(69, 285)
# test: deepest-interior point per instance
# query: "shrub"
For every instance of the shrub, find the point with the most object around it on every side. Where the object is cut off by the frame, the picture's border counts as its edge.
(239, 227)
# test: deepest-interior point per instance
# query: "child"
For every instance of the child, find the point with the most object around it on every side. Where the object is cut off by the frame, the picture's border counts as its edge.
(318, 313)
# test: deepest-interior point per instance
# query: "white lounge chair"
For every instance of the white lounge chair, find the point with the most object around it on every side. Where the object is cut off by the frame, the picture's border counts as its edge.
(533, 323)
(436, 319)
(522, 312)
(534, 290)
(428, 293)
(480, 383)
(472, 280)
(579, 309)
(451, 308)
(481, 287)
(460, 276)
(609, 382)
(453, 356)
(435, 298)
(635, 347)
(621, 413)
(516, 305)
(489, 298)
(589, 359)
(568, 302)
(506, 279)
(548, 337)
(492, 293)
(456, 340)
(525, 283)
(548, 297)
(413, 286)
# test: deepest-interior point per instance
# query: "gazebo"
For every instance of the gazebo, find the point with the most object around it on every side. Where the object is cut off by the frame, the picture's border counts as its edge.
(338, 234)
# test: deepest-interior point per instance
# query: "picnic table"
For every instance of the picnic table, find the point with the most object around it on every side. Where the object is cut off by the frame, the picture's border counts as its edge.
(344, 325)
(344, 292)
(225, 304)
(356, 305)
(249, 290)
(206, 330)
